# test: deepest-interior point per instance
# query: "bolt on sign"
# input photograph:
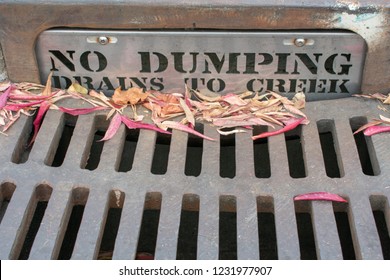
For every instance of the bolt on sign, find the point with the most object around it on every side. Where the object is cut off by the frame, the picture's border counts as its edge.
(323, 65)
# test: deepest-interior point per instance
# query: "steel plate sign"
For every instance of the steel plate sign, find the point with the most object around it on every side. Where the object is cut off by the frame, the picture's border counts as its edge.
(322, 64)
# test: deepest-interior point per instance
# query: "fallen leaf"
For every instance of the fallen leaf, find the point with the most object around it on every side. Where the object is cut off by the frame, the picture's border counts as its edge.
(375, 129)
(320, 196)
(288, 127)
(113, 127)
(76, 87)
(134, 125)
(182, 127)
(81, 111)
(45, 105)
(4, 97)
(47, 90)
(131, 96)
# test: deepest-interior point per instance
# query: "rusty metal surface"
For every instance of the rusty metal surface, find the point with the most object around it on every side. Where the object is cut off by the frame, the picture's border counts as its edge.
(244, 194)
(369, 19)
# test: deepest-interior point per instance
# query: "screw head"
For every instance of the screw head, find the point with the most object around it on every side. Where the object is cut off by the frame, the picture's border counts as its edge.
(300, 42)
(103, 40)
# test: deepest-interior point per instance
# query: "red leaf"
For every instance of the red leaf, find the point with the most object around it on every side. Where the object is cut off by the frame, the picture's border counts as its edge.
(112, 128)
(133, 125)
(81, 111)
(31, 97)
(4, 97)
(288, 127)
(38, 119)
(320, 196)
(18, 106)
(375, 129)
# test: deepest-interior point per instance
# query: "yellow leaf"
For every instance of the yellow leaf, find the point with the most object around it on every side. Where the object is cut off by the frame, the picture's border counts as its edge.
(131, 96)
(76, 87)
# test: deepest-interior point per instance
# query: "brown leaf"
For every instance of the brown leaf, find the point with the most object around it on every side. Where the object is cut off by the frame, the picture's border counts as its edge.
(130, 96)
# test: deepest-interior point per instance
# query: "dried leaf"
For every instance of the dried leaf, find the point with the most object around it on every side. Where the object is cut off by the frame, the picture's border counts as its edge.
(130, 96)
(384, 119)
(299, 100)
(19, 106)
(81, 111)
(76, 87)
(229, 132)
(113, 127)
(189, 116)
(47, 90)
(233, 99)
(134, 125)
(320, 196)
(387, 100)
(182, 127)
(363, 127)
(288, 127)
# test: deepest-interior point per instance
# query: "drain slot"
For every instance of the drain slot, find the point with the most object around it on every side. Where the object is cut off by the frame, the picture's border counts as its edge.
(380, 209)
(23, 148)
(78, 201)
(68, 124)
(227, 228)
(330, 148)
(35, 212)
(149, 226)
(188, 230)
(266, 228)
(365, 147)
(305, 230)
(6, 192)
(94, 146)
(261, 154)
(344, 231)
(161, 153)
(295, 156)
(128, 151)
(114, 213)
(193, 165)
(227, 156)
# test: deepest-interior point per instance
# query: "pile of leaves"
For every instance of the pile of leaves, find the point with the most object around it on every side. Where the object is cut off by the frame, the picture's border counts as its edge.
(377, 125)
(231, 113)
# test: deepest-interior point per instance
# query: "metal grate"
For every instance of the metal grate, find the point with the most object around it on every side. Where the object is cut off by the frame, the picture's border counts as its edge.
(141, 195)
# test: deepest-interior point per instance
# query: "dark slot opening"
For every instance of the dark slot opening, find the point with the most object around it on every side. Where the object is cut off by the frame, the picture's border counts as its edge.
(266, 228)
(37, 206)
(344, 231)
(114, 213)
(129, 146)
(380, 207)
(365, 147)
(6, 192)
(66, 136)
(305, 230)
(227, 156)
(296, 160)
(227, 228)
(79, 199)
(193, 165)
(329, 146)
(23, 147)
(188, 230)
(161, 153)
(71, 232)
(95, 151)
(149, 227)
(261, 154)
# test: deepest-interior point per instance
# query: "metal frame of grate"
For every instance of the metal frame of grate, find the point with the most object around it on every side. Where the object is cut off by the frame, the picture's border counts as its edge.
(32, 191)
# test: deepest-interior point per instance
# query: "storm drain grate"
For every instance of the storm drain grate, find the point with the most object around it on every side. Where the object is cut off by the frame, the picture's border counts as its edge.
(144, 195)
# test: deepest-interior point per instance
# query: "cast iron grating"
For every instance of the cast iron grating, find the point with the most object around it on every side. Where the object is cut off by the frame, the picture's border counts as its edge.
(145, 195)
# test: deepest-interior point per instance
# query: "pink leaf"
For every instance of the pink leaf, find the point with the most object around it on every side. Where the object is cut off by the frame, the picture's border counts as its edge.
(375, 129)
(18, 106)
(81, 111)
(112, 128)
(288, 127)
(31, 97)
(38, 119)
(134, 125)
(234, 99)
(182, 127)
(320, 196)
(4, 97)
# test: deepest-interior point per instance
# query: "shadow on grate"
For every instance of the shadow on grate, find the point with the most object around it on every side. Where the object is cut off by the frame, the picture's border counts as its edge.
(6, 191)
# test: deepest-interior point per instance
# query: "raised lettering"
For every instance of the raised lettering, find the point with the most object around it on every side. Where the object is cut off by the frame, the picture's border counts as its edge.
(86, 64)
(68, 62)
